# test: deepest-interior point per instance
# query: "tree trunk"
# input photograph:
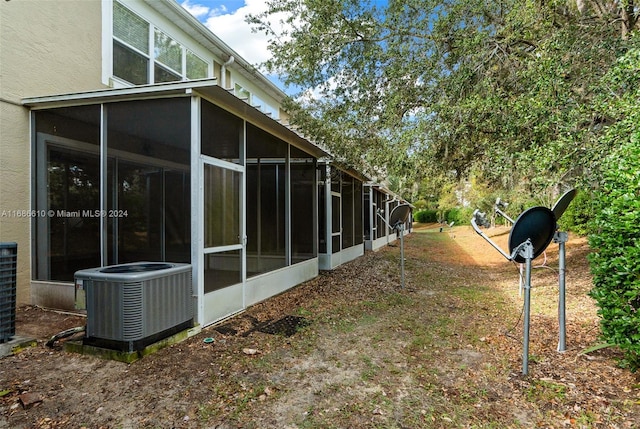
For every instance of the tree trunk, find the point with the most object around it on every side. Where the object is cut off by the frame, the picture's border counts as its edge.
(629, 18)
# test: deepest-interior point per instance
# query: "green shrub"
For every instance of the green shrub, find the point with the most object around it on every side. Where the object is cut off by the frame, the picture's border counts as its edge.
(615, 261)
(452, 215)
(461, 216)
(426, 216)
(579, 215)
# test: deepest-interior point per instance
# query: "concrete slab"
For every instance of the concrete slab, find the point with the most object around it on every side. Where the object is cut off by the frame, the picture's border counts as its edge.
(129, 357)
(15, 345)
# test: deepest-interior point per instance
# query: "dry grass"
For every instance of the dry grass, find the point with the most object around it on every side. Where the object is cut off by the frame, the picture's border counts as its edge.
(443, 353)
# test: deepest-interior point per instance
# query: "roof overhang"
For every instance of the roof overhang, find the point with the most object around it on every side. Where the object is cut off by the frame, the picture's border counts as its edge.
(345, 168)
(383, 189)
(205, 88)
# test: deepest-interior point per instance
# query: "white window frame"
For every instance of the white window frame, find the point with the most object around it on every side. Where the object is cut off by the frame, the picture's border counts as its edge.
(155, 22)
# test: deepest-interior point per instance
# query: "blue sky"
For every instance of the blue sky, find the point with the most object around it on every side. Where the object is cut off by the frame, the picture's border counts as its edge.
(225, 18)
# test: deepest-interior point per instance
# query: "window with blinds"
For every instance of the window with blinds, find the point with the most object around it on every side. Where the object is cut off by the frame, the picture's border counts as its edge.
(167, 51)
(197, 68)
(130, 46)
(130, 28)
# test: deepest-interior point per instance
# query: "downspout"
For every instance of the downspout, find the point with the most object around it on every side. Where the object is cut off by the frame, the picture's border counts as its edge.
(223, 71)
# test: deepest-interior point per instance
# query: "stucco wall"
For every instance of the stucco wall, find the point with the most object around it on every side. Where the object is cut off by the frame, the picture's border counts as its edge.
(15, 189)
(46, 47)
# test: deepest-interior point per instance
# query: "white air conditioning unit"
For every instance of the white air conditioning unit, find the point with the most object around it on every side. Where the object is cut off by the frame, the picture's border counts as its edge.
(130, 306)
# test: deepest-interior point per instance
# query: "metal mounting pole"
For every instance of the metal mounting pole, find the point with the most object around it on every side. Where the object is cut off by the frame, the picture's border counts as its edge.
(561, 238)
(401, 229)
(527, 253)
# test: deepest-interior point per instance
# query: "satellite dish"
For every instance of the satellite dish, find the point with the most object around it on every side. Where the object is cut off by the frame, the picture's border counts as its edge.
(563, 202)
(399, 215)
(530, 235)
(397, 219)
(537, 224)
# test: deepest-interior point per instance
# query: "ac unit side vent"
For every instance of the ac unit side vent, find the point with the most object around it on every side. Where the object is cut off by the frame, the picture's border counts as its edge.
(132, 311)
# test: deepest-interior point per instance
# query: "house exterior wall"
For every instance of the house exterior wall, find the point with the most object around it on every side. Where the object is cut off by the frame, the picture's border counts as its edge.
(49, 47)
(14, 193)
(46, 47)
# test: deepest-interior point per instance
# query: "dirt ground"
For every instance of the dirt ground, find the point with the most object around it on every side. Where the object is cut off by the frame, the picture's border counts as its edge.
(444, 352)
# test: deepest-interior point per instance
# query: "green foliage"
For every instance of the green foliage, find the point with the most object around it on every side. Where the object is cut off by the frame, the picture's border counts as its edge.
(461, 216)
(426, 216)
(452, 215)
(420, 204)
(615, 261)
(542, 390)
(431, 91)
(579, 215)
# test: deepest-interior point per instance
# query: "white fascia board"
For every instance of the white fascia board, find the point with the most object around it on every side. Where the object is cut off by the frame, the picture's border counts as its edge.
(109, 94)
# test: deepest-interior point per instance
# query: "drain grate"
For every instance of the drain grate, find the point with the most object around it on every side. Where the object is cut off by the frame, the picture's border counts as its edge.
(245, 325)
(286, 326)
(226, 329)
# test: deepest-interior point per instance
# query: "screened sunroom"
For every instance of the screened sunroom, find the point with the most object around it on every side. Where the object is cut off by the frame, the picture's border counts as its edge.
(379, 202)
(340, 208)
(182, 172)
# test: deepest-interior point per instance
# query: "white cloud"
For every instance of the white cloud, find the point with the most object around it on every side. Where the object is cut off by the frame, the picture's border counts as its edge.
(194, 9)
(232, 28)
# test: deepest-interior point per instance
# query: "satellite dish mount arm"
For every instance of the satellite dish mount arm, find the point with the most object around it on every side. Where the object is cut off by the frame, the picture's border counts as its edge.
(498, 209)
(477, 229)
(379, 213)
(503, 214)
